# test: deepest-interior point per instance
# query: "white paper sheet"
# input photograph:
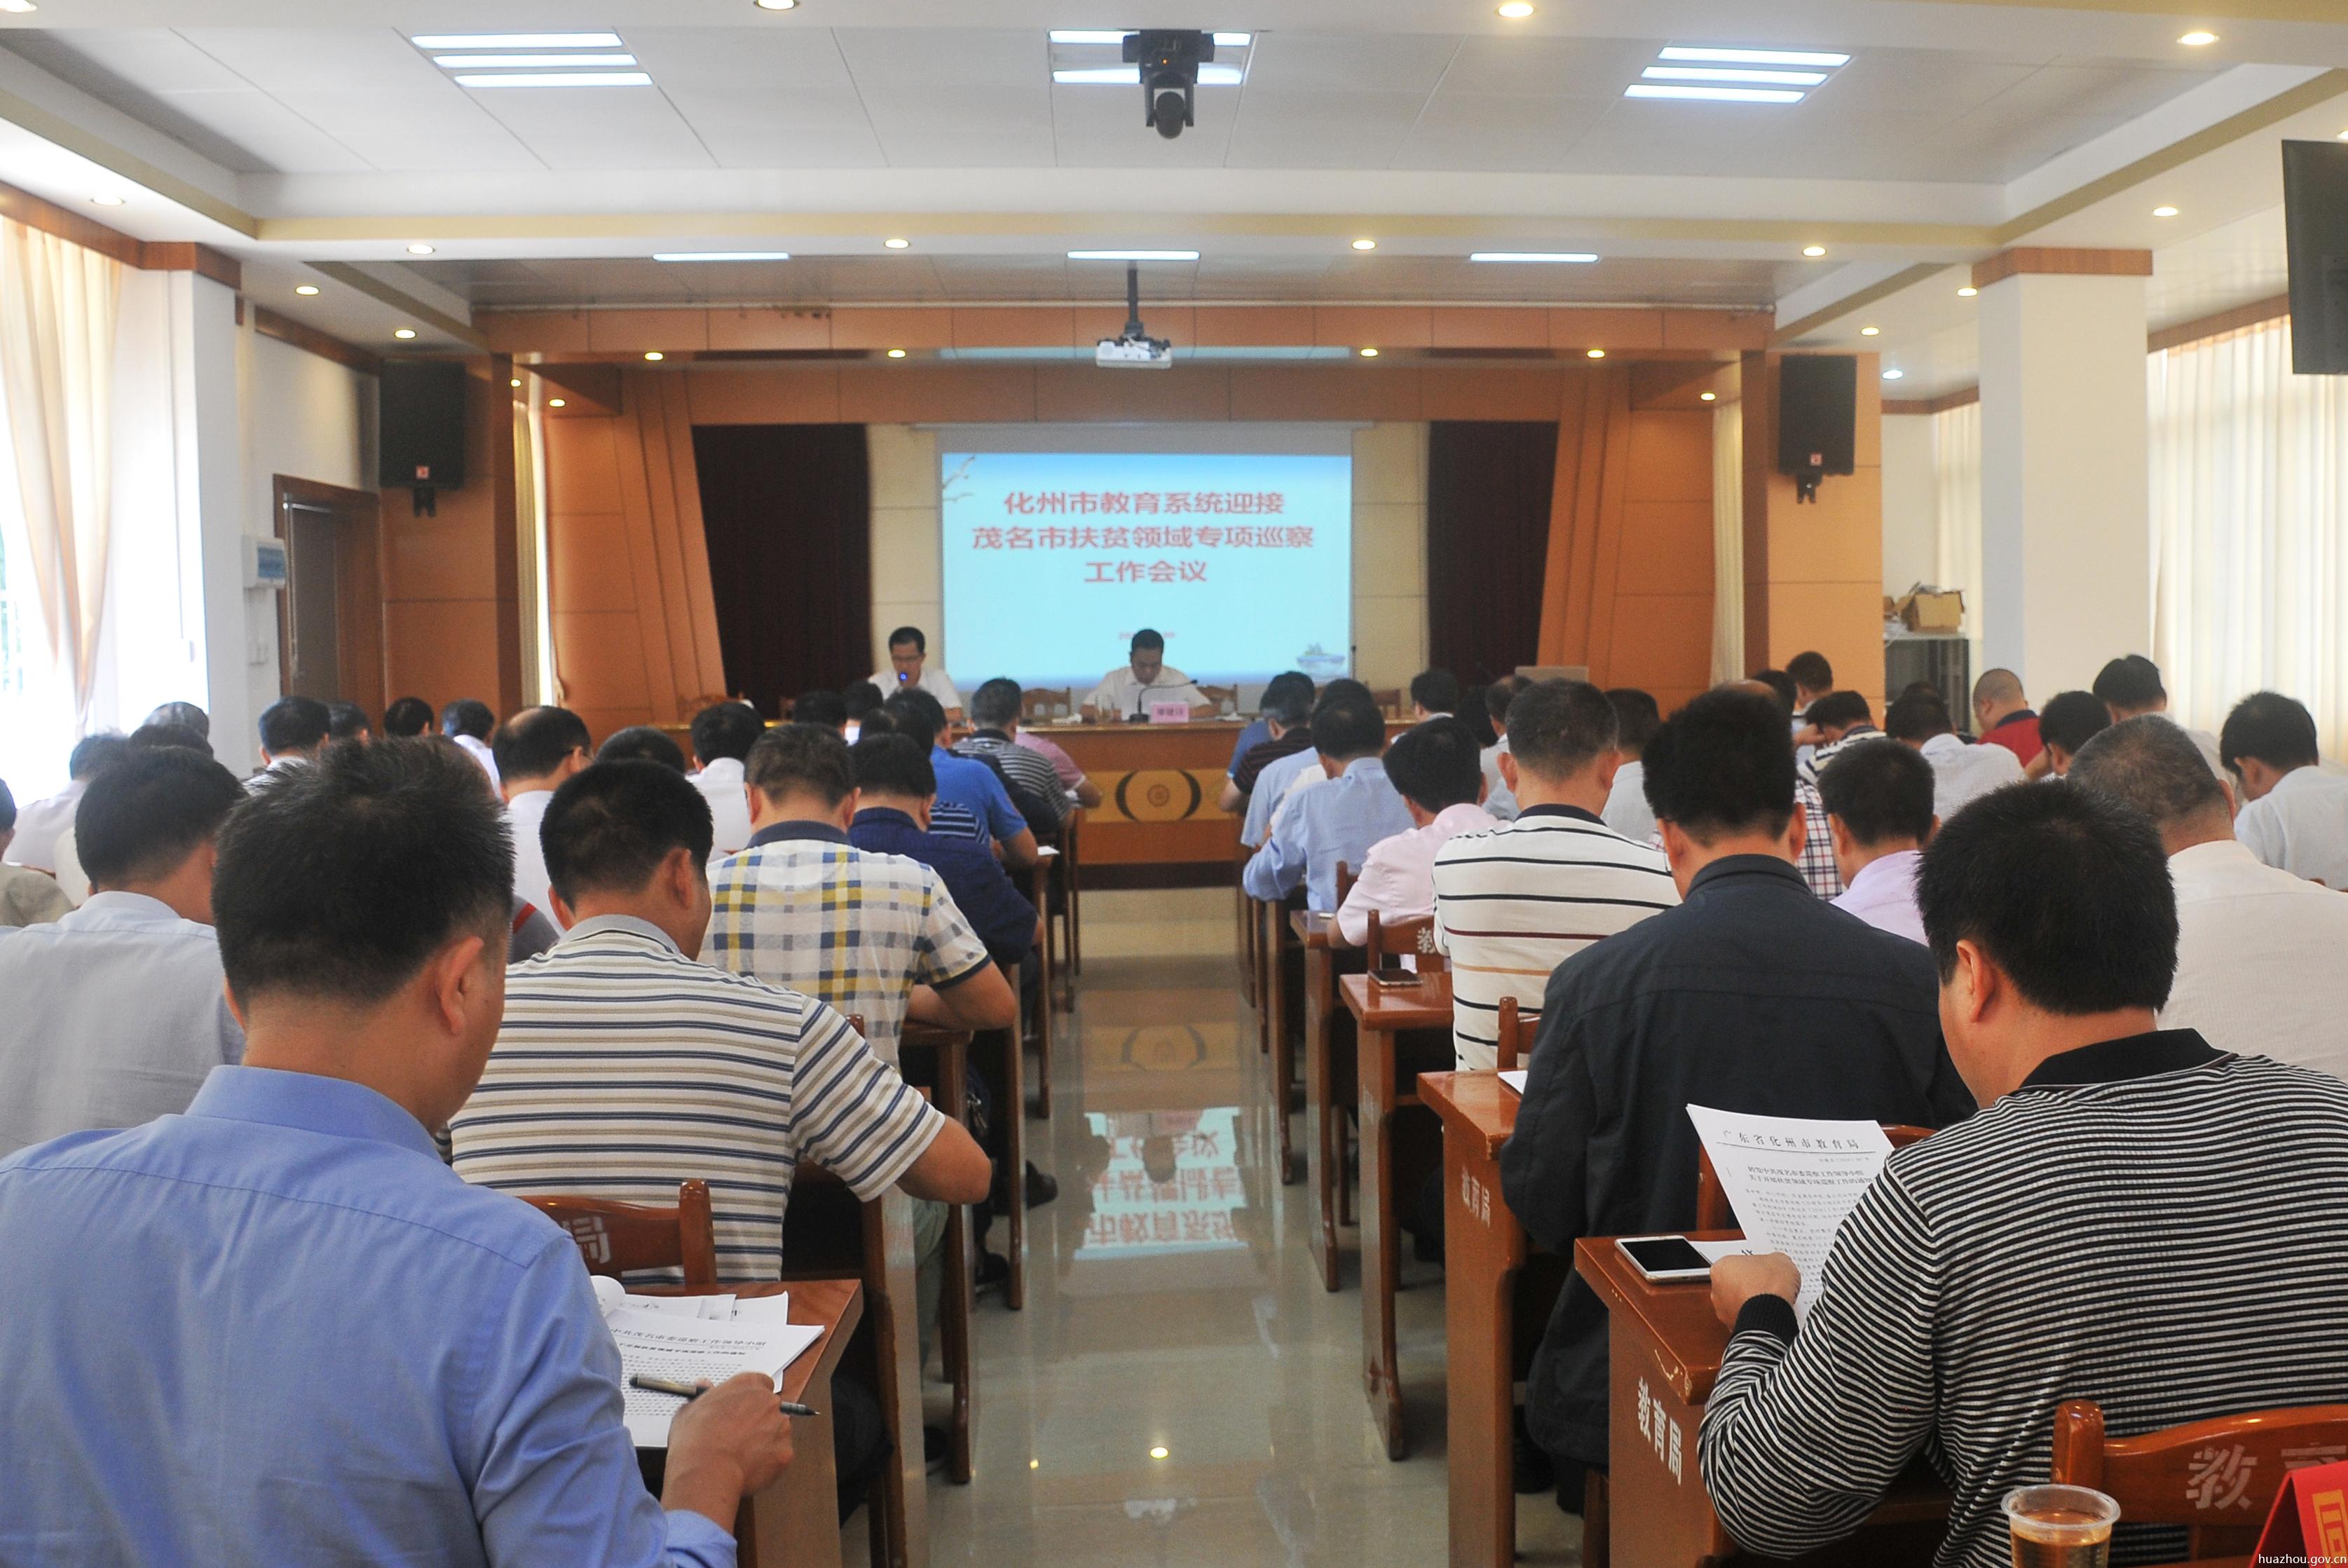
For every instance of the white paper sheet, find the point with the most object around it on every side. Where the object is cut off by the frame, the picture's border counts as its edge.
(1792, 1180)
(1515, 1079)
(668, 1344)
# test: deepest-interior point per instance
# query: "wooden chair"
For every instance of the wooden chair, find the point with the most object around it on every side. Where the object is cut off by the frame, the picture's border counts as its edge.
(1251, 930)
(1712, 1210)
(1513, 1046)
(1415, 938)
(1346, 881)
(615, 1239)
(939, 1059)
(2217, 1478)
(1039, 705)
(1072, 840)
(1389, 700)
(1222, 695)
(1040, 877)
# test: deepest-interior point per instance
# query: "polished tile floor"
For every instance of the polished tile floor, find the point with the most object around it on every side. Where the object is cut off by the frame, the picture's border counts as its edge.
(1180, 1389)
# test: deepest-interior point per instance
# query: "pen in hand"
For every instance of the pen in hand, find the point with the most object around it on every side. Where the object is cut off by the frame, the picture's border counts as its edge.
(693, 1391)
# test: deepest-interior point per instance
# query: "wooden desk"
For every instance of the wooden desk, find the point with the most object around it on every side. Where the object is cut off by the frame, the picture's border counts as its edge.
(1039, 892)
(1386, 1093)
(1161, 785)
(945, 1055)
(1328, 1050)
(795, 1523)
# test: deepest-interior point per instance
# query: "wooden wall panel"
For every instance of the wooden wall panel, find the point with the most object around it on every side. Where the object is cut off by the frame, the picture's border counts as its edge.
(451, 581)
(1312, 392)
(766, 395)
(1082, 393)
(884, 394)
(1503, 391)
(769, 327)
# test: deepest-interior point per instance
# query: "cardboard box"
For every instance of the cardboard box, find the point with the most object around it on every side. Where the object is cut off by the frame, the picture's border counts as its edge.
(1922, 609)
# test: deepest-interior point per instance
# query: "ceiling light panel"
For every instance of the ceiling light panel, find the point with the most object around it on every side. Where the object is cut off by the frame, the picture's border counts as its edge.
(1713, 95)
(517, 62)
(533, 59)
(516, 41)
(1724, 74)
(1755, 56)
(1733, 74)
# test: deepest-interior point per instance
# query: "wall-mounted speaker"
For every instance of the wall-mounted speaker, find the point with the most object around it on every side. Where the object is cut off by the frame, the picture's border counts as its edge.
(1818, 416)
(420, 426)
(2315, 226)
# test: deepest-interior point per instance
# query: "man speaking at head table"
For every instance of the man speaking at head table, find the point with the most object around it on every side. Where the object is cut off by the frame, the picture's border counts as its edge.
(909, 653)
(1130, 690)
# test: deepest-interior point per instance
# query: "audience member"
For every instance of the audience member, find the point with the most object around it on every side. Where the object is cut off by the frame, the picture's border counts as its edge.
(535, 751)
(896, 786)
(1034, 784)
(468, 722)
(407, 717)
(820, 706)
(908, 670)
(1127, 691)
(115, 1012)
(642, 743)
(221, 1408)
(293, 729)
(1636, 718)
(1512, 904)
(2071, 719)
(39, 824)
(28, 897)
(2294, 814)
(1833, 722)
(1815, 860)
(1878, 798)
(1434, 694)
(182, 715)
(2130, 686)
(863, 699)
(66, 851)
(1779, 682)
(873, 935)
(1434, 767)
(1813, 679)
(2003, 717)
(2132, 1219)
(1283, 780)
(1750, 996)
(723, 734)
(2258, 950)
(348, 721)
(1336, 824)
(1284, 713)
(1961, 773)
(1498, 799)
(973, 802)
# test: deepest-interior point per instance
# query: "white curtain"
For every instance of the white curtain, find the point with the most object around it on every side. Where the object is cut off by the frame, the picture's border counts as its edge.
(58, 306)
(1727, 542)
(1957, 511)
(2249, 522)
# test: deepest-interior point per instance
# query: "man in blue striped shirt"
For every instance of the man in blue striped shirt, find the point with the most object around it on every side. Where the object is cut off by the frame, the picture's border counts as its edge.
(1335, 824)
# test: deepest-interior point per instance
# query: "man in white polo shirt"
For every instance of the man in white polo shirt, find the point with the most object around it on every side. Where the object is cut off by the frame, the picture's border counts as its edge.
(1129, 690)
(723, 734)
(536, 749)
(2296, 815)
(1962, 774)
(908, 655)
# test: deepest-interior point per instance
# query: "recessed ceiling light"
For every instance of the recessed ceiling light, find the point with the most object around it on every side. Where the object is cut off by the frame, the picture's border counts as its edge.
(403, 333)
(2197, 38)
(1714, 94)
(1366, 244)
(896, 244)
(2164, 211)
(1733, 74)
(516, 40)
(515, 382)
(1516, 10)
(1157, 1453)
(1708, 397)
(654, 354)
(1034, 1464)
(1210, 75)
(1813, 250)
(721, 255)
(556, 403)
(1369, 354)
(419, 248)
(1234, 40)
(1755, 56)
(493, 62)
(306, 288)
(776, 5)
(896, 353)
(19, 6)
(1560, 256)
(1967, 292)
(1133, 255)
(557, 80)
(1893, 374)
(1870, 332)
(107, 200)
(1596, 353)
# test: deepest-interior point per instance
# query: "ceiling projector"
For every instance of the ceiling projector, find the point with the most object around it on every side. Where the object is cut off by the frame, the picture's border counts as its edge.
(1134, 348)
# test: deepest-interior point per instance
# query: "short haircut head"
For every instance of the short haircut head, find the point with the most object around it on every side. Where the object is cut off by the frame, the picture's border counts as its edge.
(339, 882)
(995, 705)
(294, 724)
(1146, 640)
(1881, 789)
(1288, 699)
(609, 826)
(167, 738)
(1346, 686)
(725, 730)
(533, 742)
(1841, 707)
(801, 759)
(1500, 694)
(346, 721)
(2130, 684)
(1722, 765)
(2269, 727)
(1998, 685)
(186, 715)
(7, 807)
(915, 713)
(149, 810)
(2071, 718)
(407, 718)
(862, 698)
(1916, 716)
(2152, 767)
(1811, 671)
(893, 765)
(820, 706)
(467, 716)
(1557, 728)
(1437, 691)
(1781, 683)
(912, 636)
(2063, 890)
(1345, 728)
(92, 752)
(1636, 718)
(642, 743)
(1437, 765)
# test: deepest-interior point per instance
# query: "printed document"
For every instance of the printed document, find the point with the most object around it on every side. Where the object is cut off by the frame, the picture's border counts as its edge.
(1792, 1180)
(690, 1337)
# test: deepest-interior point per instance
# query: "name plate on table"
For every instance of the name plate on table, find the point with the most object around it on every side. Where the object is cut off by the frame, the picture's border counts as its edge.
(1169, 713)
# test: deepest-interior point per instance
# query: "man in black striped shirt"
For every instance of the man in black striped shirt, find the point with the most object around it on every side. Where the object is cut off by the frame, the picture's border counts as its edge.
(2137, 1219)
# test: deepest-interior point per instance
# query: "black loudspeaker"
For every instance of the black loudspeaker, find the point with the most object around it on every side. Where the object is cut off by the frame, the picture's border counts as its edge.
(1818, 412)
(2315, 225)
(420, 426)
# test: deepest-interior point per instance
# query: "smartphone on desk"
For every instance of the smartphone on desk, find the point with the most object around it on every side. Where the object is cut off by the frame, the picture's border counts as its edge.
(1665, 1260)
(1391, 976)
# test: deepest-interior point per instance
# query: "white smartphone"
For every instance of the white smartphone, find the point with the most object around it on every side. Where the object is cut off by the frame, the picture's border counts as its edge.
(1664, 1259)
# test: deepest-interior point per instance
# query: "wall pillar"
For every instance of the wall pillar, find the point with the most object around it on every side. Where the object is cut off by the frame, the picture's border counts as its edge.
(2066, 548)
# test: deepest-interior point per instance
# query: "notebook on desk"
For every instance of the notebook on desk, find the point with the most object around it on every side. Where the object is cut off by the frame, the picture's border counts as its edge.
(689, 1338)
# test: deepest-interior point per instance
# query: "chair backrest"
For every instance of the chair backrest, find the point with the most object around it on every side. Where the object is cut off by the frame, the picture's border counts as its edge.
(1394, 938)
(1389, 700)
(1510, 1034)
(1346, 881)
(625, 1238)
(1039, 703)
(1712, 1210)
(2218, 1477)
(1222, 695)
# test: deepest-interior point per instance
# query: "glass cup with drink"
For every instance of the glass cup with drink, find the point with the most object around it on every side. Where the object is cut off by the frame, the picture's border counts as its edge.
(2060, 1526)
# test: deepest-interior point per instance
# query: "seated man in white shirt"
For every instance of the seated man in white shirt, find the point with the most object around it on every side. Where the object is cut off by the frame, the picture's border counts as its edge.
(1962, 773)
(2069, 720)
(2130, 686)
(470, 722)
(2295, 815)
(537, 749)
(1498, 799)
(1637, 717)
(723, 734)
(1434, 767)
(292, 728)
(1879, 801)
(1434, 694)
(2259, 950)
(908, 655)
(40, 823)
(1129, 691)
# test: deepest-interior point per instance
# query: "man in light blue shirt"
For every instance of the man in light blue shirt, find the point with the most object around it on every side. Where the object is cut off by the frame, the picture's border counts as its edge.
(1270, 785)
(310, 1341)
(1339, 821)
(114, 1014)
